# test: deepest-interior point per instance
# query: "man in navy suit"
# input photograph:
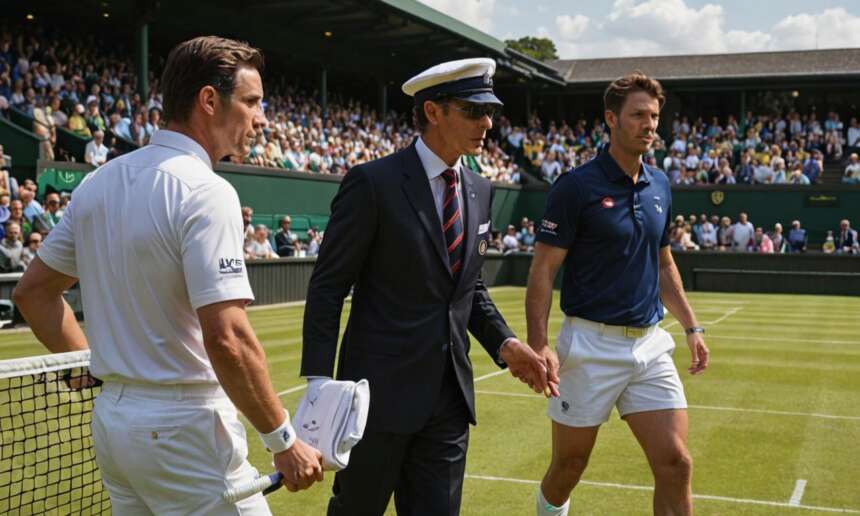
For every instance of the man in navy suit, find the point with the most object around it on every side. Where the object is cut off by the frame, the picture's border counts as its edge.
(408, 233)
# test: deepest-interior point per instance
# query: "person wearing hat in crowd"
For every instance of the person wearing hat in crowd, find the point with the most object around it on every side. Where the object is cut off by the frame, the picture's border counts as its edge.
(407, 329)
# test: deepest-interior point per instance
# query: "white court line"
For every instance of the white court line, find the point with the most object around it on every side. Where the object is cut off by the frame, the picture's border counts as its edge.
(796, 496)
(490, 375)
(746, 501)
(776, 339)
(725, 316)
(711, 323)
(294, 389)
(702, 407)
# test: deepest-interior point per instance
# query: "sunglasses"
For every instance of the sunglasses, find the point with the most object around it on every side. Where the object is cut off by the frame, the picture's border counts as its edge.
(474, 111)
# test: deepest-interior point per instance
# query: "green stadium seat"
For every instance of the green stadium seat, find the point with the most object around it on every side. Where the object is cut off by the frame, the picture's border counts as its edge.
(319, 221)
(266, 219)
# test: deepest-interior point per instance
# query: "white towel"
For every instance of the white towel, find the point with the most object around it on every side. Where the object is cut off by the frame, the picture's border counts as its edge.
(331, 417)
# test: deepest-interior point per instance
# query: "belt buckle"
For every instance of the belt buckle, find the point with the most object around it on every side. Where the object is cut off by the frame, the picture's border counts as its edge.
(633, 333)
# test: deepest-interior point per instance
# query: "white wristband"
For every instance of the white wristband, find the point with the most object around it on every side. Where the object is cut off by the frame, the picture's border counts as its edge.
(281, 438)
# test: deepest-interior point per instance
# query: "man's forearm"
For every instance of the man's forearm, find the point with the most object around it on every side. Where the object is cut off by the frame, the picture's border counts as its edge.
(42, 314)
(673, 296)
(538, 302)
(240, 365)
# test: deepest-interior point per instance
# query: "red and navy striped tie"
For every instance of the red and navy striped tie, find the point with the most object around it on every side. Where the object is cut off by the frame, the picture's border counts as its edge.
(453, 222)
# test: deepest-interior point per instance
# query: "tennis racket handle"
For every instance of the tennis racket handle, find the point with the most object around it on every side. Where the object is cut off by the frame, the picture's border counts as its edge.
(252, 487)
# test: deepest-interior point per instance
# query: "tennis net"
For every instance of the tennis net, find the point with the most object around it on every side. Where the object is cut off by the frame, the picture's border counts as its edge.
(47, 460)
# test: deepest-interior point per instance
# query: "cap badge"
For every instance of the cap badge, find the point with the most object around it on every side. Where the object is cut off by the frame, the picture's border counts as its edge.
(487, 80)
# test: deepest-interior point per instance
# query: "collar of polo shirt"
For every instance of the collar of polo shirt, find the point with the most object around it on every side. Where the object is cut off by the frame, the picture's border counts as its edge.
(615, 173)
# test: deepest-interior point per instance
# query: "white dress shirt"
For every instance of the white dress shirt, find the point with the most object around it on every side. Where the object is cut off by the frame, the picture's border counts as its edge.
(434, 167)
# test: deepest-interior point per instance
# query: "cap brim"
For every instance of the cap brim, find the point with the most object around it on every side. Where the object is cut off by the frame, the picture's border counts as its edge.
(483, 97)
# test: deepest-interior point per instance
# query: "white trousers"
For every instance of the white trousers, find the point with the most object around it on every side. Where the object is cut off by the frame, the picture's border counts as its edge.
(171, 450)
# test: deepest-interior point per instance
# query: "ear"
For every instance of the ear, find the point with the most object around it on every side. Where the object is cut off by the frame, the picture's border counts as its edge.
(206, 99)
(432, 111)
(611, 118)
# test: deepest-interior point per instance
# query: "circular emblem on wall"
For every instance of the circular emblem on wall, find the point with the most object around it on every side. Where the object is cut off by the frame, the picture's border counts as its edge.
(717, 197)
(482, 247)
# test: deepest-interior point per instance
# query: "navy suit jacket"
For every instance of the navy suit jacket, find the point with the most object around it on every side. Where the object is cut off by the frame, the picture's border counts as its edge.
(409, 317)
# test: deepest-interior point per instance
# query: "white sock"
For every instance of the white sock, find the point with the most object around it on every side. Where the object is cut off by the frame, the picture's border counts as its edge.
(545, 508)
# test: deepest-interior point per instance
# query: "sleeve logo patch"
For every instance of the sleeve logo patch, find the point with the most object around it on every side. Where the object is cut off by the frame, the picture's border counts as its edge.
(229, 265)
(548, 225)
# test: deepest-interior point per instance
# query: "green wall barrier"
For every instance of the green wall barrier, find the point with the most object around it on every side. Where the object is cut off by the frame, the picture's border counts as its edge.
(818, 208)
(23, 146)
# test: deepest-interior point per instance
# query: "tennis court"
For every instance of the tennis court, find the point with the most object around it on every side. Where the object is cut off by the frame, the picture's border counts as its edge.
(774, 423)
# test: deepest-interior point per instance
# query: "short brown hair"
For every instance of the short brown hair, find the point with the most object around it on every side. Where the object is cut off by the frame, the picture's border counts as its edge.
(618, 90)
(200, 62)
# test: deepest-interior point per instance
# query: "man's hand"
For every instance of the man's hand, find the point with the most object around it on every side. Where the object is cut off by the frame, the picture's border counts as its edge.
(528, 367)
(699, 353)
(301, 466)
(550, 360)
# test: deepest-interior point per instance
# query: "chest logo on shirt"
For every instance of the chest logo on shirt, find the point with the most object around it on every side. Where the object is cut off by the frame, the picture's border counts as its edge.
(229, 265)
(608, 202)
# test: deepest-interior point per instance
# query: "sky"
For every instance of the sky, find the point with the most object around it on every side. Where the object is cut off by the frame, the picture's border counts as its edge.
(625, 28)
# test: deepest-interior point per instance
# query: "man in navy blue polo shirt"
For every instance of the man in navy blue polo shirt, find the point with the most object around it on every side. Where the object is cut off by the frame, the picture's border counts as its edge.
(608, 222)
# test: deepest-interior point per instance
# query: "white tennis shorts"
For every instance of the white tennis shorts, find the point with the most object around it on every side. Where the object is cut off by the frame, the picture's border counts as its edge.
(600, 368)
(171, 450)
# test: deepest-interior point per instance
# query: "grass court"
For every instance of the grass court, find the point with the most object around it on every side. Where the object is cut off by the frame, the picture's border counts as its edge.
(774, 422)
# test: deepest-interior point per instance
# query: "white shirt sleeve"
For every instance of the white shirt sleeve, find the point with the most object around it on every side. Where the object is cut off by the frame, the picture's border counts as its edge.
(58, 251)
(212, 246)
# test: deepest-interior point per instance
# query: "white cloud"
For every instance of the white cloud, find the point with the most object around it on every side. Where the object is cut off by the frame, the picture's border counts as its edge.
(477, 13)
(671, 27)
(833, 28)
(571, 27)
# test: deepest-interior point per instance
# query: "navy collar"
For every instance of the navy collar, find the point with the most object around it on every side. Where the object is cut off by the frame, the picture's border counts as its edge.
(614, 172)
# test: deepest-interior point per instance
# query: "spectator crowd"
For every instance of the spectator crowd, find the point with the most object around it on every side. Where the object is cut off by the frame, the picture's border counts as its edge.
(717, 233)
(68, 83)
(760, 149)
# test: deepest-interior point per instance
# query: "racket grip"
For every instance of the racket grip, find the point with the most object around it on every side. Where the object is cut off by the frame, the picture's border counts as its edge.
(266, 483)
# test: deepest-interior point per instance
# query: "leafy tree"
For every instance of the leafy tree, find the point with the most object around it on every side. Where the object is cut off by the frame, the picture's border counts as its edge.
(542, 49)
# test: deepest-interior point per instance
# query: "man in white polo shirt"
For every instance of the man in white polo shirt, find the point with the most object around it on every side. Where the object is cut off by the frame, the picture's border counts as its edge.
(164, 296)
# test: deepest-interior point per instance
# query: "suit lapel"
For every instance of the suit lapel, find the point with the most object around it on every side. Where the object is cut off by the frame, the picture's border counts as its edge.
(471, 221)
(416, 186)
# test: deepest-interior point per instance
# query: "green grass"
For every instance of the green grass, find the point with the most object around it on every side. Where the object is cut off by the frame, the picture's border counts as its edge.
(780, 403)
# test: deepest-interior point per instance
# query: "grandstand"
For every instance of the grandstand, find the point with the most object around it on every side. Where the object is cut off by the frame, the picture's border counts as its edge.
(333, 101)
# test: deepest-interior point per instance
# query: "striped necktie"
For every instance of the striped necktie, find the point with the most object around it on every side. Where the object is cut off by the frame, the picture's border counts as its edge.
(453, 222)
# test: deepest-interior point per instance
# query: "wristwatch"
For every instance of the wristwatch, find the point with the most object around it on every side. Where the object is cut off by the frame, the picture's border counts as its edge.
(694, 329)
